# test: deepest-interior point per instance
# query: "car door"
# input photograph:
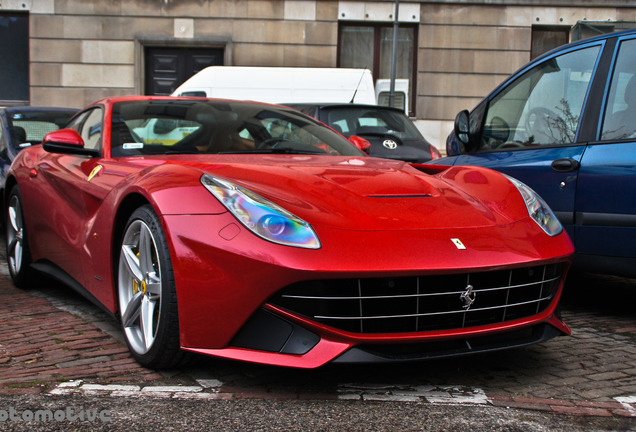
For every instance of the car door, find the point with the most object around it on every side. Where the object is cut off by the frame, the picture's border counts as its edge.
(605, 204)
(61, 220)
(532, 124)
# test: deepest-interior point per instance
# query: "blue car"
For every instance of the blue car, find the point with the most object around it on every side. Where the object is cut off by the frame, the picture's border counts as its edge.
(565, 124)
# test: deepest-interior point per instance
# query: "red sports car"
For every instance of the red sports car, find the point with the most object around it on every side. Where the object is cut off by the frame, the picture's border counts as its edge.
(254, 232)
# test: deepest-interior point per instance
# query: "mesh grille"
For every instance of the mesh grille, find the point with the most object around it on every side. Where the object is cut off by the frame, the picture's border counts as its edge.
(423, 303)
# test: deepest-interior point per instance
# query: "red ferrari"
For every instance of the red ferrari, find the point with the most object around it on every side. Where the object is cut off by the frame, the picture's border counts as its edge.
(254, 232)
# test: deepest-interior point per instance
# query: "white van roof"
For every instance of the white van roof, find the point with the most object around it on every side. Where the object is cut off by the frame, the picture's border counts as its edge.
(282, 84)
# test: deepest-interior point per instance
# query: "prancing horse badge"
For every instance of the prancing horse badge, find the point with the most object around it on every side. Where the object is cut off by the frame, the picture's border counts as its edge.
(458, 243)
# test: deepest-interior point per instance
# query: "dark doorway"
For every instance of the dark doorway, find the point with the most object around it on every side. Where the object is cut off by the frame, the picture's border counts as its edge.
(14, 52)
(168, 68)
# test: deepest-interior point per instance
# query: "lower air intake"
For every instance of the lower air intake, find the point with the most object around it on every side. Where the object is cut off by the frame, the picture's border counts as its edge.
(423, 303)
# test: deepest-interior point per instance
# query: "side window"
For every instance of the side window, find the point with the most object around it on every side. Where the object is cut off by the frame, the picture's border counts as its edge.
(619, 121)
(77, 122)
(89, 126)
(543, 106)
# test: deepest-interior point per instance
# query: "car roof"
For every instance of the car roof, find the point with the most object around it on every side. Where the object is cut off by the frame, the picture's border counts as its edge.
(340, 105)
(602, 37)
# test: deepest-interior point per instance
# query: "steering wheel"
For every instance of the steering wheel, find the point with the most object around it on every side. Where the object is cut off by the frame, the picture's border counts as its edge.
(541, 124)
(272, 142)
(499, 129)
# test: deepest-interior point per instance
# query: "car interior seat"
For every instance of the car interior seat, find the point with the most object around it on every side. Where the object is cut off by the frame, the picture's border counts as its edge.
(19, 135)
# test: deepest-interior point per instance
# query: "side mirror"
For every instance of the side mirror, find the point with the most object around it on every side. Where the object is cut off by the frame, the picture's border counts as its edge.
(462, 127)
(66, 141)
(461, 140)
(360, 143)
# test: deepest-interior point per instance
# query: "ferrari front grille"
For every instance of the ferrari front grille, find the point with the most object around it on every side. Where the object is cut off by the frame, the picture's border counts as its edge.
(423, 303)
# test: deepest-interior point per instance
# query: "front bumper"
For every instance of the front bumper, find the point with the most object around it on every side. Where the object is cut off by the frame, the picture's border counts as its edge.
(226, 279)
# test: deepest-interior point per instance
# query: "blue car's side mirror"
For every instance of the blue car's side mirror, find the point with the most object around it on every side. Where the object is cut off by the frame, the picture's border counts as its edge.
(462, 125)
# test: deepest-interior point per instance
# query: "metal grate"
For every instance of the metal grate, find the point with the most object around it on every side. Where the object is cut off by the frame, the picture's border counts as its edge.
(423, 303)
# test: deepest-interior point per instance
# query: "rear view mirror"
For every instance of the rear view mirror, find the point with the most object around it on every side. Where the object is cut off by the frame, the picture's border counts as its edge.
(360, 143)
(66, 141)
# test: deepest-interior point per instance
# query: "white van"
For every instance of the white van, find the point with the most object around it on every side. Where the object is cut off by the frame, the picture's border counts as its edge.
(282, 84)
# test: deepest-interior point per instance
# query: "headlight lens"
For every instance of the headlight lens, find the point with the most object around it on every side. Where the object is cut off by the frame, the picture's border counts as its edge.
(262, 217)
(538, 209)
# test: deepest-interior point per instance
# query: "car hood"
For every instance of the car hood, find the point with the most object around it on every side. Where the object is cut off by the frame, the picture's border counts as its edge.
(364, 193)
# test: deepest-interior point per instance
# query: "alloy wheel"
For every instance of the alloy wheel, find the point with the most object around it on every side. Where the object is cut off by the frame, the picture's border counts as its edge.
(15, 235)
(139, 287)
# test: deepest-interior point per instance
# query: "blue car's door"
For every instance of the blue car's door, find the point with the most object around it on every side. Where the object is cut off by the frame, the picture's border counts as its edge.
(531, 127)
(535, 168)
(605, 205)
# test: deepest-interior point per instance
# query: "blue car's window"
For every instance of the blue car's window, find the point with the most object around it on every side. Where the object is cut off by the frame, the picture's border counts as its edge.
(542, 106)
(620, 114)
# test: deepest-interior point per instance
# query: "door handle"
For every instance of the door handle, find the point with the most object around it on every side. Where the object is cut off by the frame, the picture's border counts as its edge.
(565, 165)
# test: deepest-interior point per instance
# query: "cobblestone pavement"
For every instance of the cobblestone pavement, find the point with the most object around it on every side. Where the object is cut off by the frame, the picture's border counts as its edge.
(52, 341)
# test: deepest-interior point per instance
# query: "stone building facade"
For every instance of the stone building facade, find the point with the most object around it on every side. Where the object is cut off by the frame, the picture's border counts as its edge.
(83, 50)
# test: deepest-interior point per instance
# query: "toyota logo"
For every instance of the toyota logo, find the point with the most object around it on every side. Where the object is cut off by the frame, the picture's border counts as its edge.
(390, 144)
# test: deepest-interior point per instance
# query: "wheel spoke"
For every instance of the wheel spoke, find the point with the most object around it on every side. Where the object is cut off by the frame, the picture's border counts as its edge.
(147, 322)
(153, 286)
(132, 263)
(133, 310)
(146, 247)
(14, 218)
(15, 255)
(18, 255)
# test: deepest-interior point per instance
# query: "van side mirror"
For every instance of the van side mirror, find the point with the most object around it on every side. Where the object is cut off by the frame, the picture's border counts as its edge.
(66, 141)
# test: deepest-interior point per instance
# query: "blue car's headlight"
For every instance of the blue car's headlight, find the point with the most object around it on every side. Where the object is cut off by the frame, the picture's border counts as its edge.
(538, 209)
(261, 216)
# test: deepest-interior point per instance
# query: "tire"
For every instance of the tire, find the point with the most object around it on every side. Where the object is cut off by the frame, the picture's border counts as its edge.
(18, 253)
(146, 293)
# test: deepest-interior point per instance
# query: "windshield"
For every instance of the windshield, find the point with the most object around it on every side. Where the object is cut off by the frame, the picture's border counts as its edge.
(372, 121)
(215, 127)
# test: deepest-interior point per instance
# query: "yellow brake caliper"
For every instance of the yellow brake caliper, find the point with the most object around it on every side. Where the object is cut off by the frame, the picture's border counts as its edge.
(135, 285)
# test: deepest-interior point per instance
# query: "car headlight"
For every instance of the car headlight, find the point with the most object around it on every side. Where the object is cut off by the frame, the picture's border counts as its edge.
(538, 209)
(262, 217)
